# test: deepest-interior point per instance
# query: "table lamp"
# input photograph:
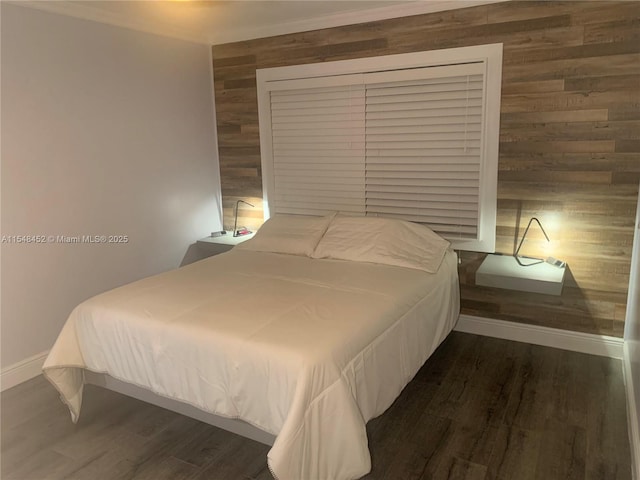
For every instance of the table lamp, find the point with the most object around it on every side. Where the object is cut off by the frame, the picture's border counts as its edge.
(243, 231)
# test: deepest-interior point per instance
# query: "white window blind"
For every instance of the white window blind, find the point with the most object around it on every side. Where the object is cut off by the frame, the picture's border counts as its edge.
(407, 143)
(423, 149)
(319, 150)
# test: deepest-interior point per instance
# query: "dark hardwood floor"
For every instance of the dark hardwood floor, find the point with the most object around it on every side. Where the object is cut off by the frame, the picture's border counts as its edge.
(480, 408)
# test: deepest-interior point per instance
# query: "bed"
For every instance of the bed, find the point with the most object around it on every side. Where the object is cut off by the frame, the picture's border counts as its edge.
(305, 333)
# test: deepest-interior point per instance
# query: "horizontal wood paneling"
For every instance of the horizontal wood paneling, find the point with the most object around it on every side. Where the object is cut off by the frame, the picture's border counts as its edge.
(569, 140)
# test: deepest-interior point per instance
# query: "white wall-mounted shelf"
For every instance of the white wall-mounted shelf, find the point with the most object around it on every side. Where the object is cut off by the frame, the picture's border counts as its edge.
(210, 246)
(504, 271)
(227, 239)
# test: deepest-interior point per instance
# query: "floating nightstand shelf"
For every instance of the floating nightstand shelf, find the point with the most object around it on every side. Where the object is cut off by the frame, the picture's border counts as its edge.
(526, 274)
(504, 271)
(210, 246)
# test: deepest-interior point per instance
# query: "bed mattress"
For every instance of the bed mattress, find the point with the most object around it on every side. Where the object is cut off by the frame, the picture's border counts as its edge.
(308, 350)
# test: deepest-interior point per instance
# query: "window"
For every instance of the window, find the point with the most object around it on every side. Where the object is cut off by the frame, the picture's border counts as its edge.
(411, 136)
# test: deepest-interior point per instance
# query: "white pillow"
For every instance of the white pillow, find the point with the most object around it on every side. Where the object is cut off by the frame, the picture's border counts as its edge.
(383, 240)
(291, 234)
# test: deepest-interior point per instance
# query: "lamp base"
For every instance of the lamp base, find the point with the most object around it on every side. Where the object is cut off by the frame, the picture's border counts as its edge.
(240, 232)
(555, 262)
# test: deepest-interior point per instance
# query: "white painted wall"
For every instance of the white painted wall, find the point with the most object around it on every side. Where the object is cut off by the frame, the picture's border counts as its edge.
(632, 348)
(105, 131)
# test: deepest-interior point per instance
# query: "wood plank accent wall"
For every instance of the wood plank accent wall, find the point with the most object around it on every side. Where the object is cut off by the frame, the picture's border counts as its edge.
(569, 141)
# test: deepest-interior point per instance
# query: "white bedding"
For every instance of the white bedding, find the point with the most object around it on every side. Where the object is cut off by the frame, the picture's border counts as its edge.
(306, 349)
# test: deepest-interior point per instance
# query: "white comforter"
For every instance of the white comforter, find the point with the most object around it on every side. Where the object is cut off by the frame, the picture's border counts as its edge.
(308, 350)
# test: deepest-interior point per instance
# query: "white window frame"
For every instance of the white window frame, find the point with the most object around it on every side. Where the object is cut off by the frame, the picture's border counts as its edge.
(280, 78)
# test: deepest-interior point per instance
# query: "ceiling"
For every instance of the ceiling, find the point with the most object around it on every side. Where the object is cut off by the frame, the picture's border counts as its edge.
(222, 21)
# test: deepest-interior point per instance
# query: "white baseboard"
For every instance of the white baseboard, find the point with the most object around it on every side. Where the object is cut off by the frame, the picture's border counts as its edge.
(632, 412)
(22, 371)
(549, 337)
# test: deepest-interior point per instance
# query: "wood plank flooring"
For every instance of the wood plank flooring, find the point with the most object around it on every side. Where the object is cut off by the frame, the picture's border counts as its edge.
(480, 409)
